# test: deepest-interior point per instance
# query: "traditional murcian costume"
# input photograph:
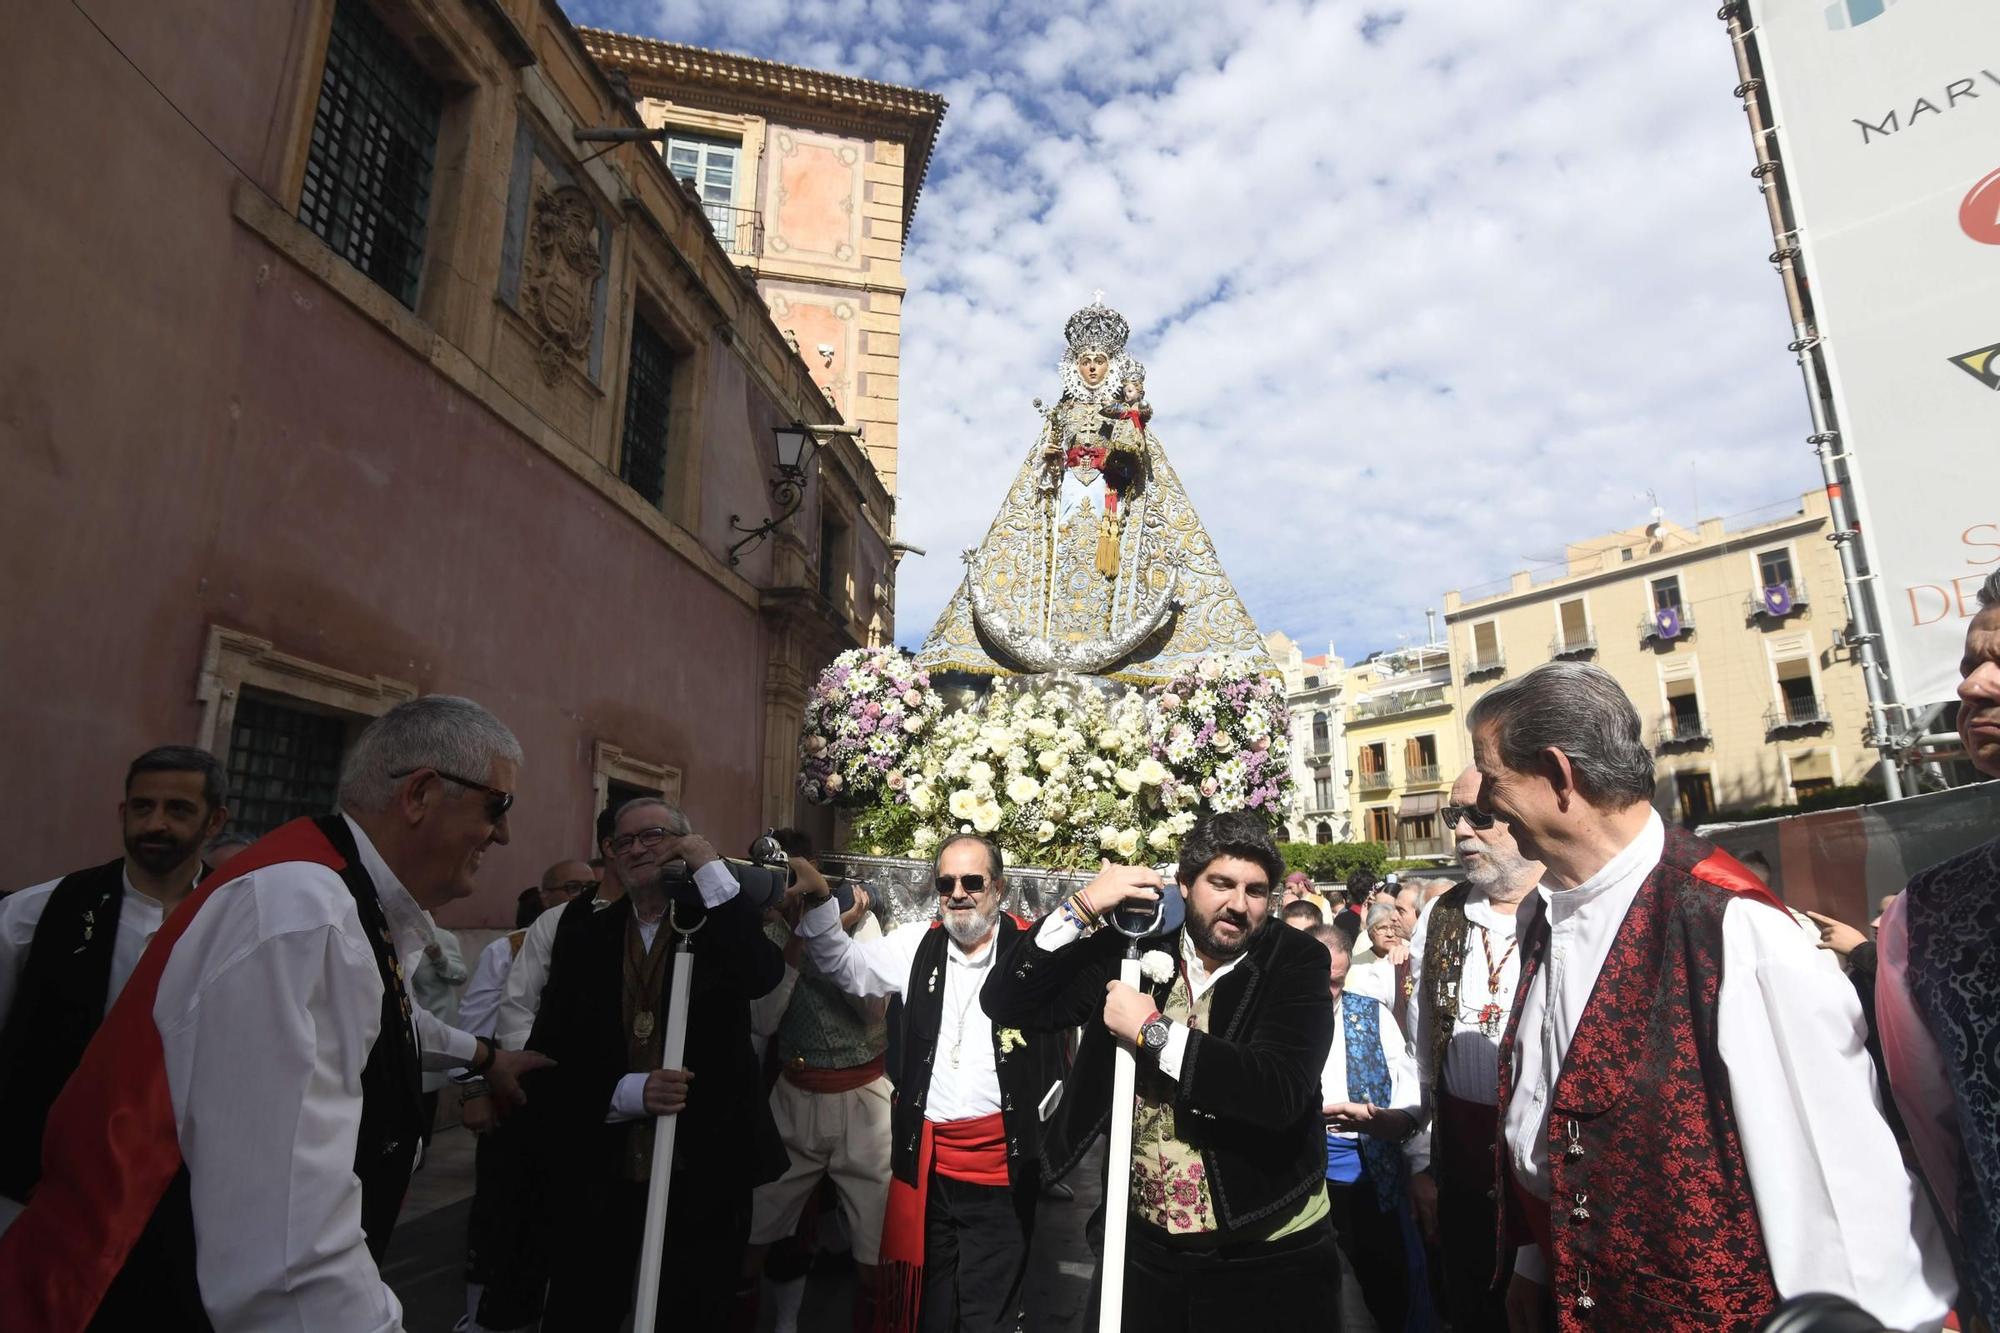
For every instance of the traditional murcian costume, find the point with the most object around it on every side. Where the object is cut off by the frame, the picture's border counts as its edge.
(1466, 968)
(1689, 1124)
(1228, 1150)
(965, 1133)
(1367, 1177)
(252, 1098)
(601, 1016)
(1938, 1003)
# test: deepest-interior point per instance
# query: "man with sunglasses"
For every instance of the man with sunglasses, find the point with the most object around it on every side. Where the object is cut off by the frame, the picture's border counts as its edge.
(1465, 969)
(253, 1096)
(594, 999)
(965, 1146)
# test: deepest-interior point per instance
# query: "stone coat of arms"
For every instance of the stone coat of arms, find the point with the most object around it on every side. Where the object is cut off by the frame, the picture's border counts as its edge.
(560, 282)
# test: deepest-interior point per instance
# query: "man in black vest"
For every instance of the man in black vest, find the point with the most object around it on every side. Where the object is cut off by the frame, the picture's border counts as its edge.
(1465, 968)
(1229, 1152)
(253, 1095)
(965, 1147)
(601, 1015)
(67, 946)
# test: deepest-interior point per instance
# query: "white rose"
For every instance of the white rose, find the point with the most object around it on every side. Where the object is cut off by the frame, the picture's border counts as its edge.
(913, 724)
(1210, 669)
(923, 838)
(1048, 760)
(1222, 741)
(1160, 837)
(962, 804)
(815, 745)
(1151, 771)
(981, 771)
(1127, 843)
(1128, 781)
(913, 697)
(1022, 789)
(987, 817)
(834, 782)
(1046, 832)
(920, 797)
(1169, 702)
(1107, 837)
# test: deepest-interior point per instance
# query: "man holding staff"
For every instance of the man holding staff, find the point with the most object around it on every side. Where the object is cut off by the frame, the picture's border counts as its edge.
(1232, 1028)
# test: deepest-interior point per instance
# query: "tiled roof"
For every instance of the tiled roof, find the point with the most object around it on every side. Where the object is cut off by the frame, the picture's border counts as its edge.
(912, 114)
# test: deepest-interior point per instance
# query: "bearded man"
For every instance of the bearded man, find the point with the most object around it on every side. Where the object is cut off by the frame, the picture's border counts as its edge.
(1689, 1125)
(1465, 970)
(1229, 1153)
(965, 1142)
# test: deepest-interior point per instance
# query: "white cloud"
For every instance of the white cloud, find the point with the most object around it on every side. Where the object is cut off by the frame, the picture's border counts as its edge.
(1414, 312)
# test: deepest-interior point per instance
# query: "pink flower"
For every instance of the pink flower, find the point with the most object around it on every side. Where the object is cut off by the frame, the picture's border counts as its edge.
(1208, 786)
(873, 709)
(894, 779)
(1170, 701)
(1185, 1193)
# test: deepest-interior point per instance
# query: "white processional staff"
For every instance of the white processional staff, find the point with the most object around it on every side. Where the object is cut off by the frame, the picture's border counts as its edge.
(1134, 921)
(673, 1052)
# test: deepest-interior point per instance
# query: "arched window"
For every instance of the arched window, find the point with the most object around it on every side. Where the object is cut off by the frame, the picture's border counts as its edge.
(1321, 742)
(1324, 833)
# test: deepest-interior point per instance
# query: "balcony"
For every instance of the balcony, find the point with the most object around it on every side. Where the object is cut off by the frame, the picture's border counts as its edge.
(1375, 781)
(1493, 664)
(1578, 645)
(1649, 628)
(1411, 848)
(1755, 608)
(1683, 729)
(1403, 701)
(1795, 715)
(741, 230)
(1422, 775)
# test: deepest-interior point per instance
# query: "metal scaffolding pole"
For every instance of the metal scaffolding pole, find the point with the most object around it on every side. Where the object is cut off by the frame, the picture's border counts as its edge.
(1825, 438)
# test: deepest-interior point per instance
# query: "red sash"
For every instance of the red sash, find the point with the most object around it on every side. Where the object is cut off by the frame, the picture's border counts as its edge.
(112, 1147)
(834, 1080)
(969, 1150)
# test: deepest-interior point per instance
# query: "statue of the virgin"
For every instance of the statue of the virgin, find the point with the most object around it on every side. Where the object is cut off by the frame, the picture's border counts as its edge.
(1096, 563)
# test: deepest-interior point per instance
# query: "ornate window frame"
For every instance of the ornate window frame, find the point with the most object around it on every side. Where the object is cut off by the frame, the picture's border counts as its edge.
(610, 763)
(232, 660)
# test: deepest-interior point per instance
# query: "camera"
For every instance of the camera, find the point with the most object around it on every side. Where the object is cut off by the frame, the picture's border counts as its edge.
(762, 879)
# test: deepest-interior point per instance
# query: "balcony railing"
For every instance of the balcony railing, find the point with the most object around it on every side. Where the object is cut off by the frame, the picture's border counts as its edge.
(1578, 645)
(1795, 714)
(1376, 781)
(1421, 775)
(1411, 847)
(1404, 701)
(741, 230)
(1679, 729)
(1649, 628)
(1493, 664)
(1755, 607)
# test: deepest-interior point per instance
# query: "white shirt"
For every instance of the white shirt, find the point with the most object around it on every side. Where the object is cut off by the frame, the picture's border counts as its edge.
(479, 1007)
(530, 973)
(1371, 974)
(1405, 1093)
(139, 918)
(1838, 1211)
(961, 1089)
(1471, 1059)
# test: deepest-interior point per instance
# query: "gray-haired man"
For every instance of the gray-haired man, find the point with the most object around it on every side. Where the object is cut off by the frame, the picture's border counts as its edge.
(1688, 1119)
(255, 1090)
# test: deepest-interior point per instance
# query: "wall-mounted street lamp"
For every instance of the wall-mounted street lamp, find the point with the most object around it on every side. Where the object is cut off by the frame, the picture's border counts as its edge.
(796, 444)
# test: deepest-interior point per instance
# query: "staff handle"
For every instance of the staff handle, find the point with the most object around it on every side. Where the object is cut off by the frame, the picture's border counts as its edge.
(1118, 1173)
(673, 1052)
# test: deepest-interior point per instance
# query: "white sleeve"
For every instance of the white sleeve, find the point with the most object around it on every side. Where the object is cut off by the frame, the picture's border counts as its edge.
(1839, 1211)
(268, 1064)
(525, 981)
(628, 1100)
(1056, 930)
(1529, 1263)
(1413, 1013)
(440, 1045)
(1405, 1093)
(715, 884)
(479, 1007)
(873, 967)
(20, 913)
(1174, 1051)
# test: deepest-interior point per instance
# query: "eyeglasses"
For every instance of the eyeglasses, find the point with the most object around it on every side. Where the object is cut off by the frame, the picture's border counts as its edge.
(572, 887)
(645, 837)
(498, 802)
(1471, 814)
(974, 884)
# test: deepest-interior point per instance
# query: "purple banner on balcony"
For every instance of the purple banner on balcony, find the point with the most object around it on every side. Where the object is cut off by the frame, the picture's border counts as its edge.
(1777, 598)
(1668, 621)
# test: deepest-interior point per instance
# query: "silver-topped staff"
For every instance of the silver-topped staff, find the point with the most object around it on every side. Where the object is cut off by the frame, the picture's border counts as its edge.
(1135, 921)
(673, 1052)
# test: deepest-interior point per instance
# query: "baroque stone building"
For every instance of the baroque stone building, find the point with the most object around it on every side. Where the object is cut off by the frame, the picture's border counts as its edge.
(375, 369)
(1316, 701)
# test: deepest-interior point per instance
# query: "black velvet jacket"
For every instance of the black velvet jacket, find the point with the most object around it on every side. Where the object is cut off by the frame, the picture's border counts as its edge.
(1248, 1096)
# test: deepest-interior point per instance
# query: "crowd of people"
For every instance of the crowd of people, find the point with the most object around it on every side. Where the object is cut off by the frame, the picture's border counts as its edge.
(1603, 1080)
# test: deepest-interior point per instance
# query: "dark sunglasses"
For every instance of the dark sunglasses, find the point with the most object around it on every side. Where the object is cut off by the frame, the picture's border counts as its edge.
(1471, 814)
(645, 837)
(974, 884)
(498, 802)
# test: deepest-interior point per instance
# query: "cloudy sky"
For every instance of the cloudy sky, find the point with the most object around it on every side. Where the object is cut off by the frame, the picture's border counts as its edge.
(1423, 293)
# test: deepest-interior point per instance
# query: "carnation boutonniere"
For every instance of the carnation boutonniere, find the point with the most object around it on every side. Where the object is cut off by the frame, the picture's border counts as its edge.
(1009, 1039)
(1156, 966)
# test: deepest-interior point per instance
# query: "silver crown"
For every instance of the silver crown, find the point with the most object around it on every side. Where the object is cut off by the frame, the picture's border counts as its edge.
(1097, 328)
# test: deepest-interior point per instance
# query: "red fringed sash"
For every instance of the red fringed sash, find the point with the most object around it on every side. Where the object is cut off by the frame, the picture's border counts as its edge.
(969, 1150)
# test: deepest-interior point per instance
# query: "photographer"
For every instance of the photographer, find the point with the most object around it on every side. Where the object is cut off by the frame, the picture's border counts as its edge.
(594, 984)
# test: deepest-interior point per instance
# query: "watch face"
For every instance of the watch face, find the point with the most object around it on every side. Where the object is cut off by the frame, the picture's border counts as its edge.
(1156, 1036)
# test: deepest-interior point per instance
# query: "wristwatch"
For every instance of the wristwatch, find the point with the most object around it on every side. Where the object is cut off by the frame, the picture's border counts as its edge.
(1153, 1035)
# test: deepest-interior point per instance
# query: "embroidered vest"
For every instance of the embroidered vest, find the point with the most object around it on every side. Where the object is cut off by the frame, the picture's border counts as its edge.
(1954, 939)
(1170, 1187)
(1444, 966)
(1368, 1081)
(57, 1005)
(1651, 1217)
(821, 1029)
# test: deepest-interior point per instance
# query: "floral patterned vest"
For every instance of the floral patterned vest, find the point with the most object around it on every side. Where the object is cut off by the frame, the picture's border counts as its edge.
(1169, 1182)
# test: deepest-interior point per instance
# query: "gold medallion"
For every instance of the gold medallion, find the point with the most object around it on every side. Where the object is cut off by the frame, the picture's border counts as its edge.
(642, 1026)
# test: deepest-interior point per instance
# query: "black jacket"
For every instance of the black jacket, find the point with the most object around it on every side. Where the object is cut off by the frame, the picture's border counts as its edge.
(1248, 1096)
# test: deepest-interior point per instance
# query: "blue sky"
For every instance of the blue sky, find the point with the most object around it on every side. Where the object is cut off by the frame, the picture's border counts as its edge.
(1423, 292)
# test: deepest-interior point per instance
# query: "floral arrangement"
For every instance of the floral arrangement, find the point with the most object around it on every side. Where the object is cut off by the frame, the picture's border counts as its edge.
(868, 708)
(1219, 729)
(1060, 774)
